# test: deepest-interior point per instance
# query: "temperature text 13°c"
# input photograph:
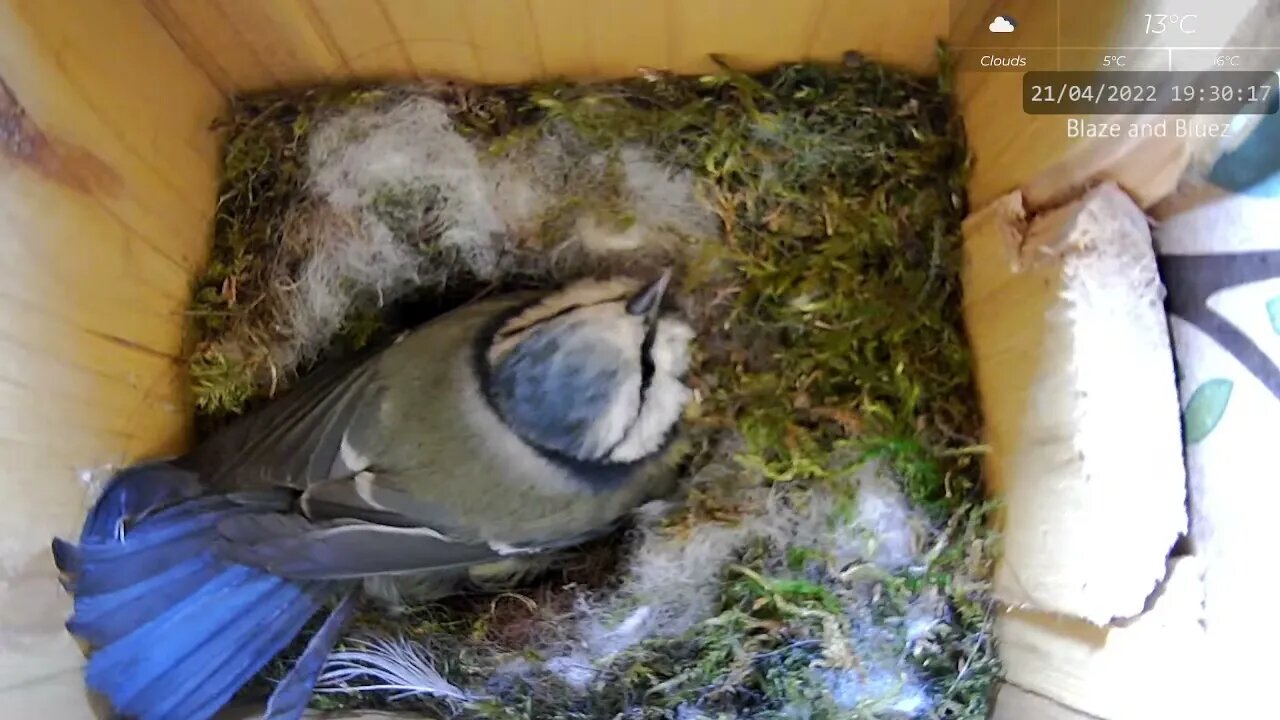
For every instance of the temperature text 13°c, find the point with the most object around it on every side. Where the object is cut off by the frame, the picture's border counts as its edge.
(1161, 23)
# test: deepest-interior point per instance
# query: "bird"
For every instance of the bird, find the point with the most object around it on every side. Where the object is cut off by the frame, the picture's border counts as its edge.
(501, 432)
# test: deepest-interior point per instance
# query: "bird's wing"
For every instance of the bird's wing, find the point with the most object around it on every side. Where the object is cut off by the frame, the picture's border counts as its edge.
(292, 546)
(294, 440)
(354, 527)
(368, 497)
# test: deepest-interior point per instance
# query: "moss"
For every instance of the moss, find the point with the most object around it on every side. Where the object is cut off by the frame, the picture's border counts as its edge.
(401, 209)
(263, 178)
(221, 384)
(830, 333)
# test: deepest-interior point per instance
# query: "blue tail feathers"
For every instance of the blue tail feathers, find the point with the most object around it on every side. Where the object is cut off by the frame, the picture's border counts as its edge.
(175, 629)
(134, 492)
(290, 697)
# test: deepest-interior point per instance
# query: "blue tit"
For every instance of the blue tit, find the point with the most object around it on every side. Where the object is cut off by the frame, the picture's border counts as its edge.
(500, 432)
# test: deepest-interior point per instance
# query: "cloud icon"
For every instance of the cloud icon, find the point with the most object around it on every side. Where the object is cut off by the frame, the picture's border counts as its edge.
(1001, 24)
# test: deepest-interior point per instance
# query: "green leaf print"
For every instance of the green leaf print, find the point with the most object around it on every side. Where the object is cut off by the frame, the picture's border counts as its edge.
(1205, 409)
(1273, 311)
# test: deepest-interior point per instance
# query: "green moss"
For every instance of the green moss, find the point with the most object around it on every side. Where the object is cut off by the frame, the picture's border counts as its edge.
(221, 385)
(263, 174)
(401, 209)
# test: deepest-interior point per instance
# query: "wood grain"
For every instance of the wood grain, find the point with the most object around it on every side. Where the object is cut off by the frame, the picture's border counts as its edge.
(107, 183)
(253, 45)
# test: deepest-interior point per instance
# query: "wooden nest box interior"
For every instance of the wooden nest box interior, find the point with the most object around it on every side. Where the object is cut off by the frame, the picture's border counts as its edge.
(108, 183)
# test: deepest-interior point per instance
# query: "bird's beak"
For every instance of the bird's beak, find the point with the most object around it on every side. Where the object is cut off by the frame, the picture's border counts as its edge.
(648, 300)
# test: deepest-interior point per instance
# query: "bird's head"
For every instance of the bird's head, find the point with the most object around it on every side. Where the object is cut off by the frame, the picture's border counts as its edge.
(592, 372)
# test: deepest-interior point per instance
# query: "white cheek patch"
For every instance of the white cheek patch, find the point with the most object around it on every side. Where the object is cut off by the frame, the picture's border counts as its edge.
(617, 344)
(671, 347)
(666, 397)
(608, 430)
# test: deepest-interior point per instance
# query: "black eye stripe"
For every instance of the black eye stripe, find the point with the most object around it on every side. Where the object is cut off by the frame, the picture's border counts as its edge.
(647, 368)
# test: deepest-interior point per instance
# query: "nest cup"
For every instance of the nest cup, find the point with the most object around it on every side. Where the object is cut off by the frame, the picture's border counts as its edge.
(105, 137)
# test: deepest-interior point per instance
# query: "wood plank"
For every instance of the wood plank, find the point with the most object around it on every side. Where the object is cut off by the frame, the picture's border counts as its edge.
(1160, 666)
(286, 37)
(124, 248)
(251, 45)
(627, 35)
(102, 139)
(1071, 350)
(47, 696)
(505, 39)
(204, 31)
(1014, 703)
(101, 289)
(1008, 147)
(913, 31)
(227, 74)
(901, 33)
(365, 38)
(36, 649)
(565, 40)
(436, 37)
(751, 36)
(73, 43)
(107, 183)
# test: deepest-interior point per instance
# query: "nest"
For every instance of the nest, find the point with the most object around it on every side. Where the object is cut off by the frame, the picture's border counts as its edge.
(829, 554)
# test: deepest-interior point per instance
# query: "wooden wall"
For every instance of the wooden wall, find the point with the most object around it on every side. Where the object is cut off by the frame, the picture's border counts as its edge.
(107, 174)
(255, 44)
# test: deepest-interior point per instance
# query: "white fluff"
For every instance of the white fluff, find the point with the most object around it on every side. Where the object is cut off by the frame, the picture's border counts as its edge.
(576, 670)
(688, 712)
(346, 262)
(527, 181)
(885, 689)
(893, 530)
(662, 204)
(396, 666)
(665, 200)
(402, 200)
(411, 149)
(672, 581)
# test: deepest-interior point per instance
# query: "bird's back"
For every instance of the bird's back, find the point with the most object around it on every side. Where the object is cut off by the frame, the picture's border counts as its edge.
(414, 418)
